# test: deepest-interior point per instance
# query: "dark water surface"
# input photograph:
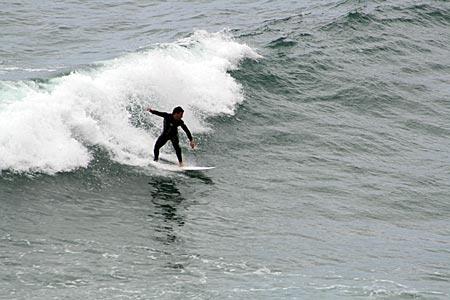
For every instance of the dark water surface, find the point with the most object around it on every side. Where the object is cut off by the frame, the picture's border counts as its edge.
(327, 122)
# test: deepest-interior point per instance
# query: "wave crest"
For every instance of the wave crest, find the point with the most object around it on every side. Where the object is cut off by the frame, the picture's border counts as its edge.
(50, 127)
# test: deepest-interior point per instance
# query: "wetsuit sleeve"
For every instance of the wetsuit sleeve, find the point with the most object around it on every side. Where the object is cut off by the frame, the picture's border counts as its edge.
(159, 113)
(188, 133)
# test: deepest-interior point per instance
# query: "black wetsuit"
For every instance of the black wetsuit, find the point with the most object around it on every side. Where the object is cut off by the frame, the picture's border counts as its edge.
(170, 132)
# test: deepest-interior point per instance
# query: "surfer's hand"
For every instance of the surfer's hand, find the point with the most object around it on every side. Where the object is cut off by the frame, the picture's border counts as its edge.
(192, 144)
(149, 109)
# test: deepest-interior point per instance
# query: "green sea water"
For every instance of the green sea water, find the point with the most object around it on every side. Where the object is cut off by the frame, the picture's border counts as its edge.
(327, 122)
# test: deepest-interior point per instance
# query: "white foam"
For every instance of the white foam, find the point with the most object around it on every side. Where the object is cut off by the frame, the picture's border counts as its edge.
(50, 128)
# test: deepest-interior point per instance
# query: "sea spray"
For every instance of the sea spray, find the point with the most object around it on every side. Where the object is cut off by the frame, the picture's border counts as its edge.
(53, 126)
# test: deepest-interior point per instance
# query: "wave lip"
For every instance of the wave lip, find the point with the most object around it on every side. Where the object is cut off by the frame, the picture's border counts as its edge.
(49, 127)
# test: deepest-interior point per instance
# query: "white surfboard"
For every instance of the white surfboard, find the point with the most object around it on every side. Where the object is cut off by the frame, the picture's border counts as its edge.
(176, 168)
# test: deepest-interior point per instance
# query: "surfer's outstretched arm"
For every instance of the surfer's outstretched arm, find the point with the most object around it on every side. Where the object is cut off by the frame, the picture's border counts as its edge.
(158, 113)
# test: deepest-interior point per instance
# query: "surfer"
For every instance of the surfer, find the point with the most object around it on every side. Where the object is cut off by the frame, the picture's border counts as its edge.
(170, 132)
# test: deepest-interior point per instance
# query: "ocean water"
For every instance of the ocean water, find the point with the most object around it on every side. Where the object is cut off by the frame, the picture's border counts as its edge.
(327, 122)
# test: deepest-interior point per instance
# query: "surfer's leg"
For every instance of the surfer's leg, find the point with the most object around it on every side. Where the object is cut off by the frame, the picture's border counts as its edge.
(161, 141)
(176, 146)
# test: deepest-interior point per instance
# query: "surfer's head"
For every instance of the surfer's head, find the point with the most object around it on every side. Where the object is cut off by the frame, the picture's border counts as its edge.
(178, 112)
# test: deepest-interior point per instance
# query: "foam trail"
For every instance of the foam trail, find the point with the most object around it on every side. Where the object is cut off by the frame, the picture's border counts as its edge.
(51, 127)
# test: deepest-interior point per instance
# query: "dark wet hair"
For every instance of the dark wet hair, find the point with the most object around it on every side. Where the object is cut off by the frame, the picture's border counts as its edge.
(177, 110)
